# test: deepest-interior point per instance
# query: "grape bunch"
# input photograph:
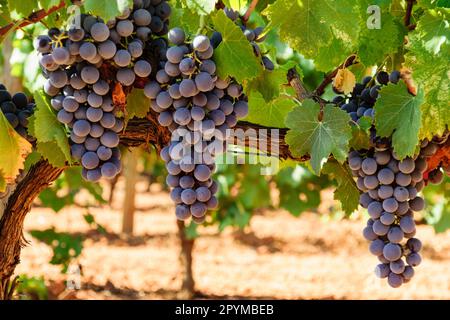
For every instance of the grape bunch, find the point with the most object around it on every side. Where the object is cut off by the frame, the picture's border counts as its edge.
(361, 101)
(254, 36)
(198, 108)
(17, 109)
(82, 66)
(390, 188)
(429, 149)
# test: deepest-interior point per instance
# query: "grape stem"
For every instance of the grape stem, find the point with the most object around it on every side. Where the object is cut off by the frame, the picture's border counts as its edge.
(329, 78)
(31, 19)
(294, 81)
(201, 24)
(408, 15)
(250, 9)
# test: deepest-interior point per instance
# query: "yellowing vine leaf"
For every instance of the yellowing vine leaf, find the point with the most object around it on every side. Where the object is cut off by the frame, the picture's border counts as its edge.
(344, 81)
(2, 182)
(13, 150)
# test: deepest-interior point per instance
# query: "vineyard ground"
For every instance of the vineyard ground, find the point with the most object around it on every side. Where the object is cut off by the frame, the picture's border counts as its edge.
(278, 257)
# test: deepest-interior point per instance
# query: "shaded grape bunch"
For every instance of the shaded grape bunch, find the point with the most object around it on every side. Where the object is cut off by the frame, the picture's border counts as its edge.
(82, 66)
(17, 109)
(198, 108)
(361, 101)
(254, 36)
(429, 149)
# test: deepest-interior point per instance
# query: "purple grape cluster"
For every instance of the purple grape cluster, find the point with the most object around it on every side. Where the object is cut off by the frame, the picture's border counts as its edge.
(361, 101)
(252, 35)
(17, 109)
(389, 188)
(74, 61)
(198, 108)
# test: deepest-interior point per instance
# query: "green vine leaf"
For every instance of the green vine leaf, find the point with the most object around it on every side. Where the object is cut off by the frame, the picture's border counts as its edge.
(47, 4)
(234, 56)
(271, 114)
(185, 18)
(309, 25)
(346, 192)
(23, 8)
(319, 139)
(269, 83)
(428, 59)
(202, 7)
(397, 113)
(360, 138)
(434, 30)
(51, 135)
(107, 9)
(374, 45)
(138, 105)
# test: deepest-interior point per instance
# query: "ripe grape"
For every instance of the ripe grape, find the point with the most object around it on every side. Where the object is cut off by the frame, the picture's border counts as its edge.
(397, 267)
(182, 212)
(99, 31)
(407, 224)
(369, 166)
(395, 235)
(110, 139)
(414, 259)
(376, 247)
(382, 270)
(386, 176)
(395, 280)
(90, 160)
(379, 228)
(392, 252)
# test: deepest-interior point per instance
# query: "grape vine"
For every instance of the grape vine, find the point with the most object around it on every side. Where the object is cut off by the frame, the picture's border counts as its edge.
(178, 75)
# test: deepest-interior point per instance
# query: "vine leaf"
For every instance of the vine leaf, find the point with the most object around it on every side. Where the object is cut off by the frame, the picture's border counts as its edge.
(202, 7)
(309, 25)
(234, 56)
(186, 18)
(23, 8)
(270, 83)
(373, 44)
(52, 153)
(52, 142)
(107, 9)
(332, 55)
(428, 59)
(14, 150)
(48, 3)
(361, 134)
(2, 182)
(434, 30)
(271, 114)
(138, 105)
(237, 5)
(397, 113)
(319, 139)
(346, 192)
(344, 81)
